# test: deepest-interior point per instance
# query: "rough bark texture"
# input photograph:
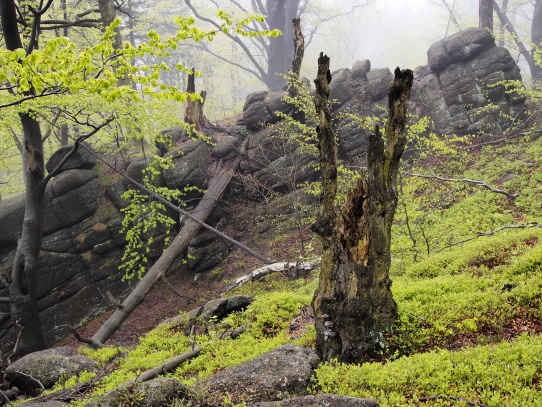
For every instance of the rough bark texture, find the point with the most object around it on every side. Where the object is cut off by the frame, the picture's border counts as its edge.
(485, 11)
(23, 289)
(353, 304)
(299, 52)
(193, 113)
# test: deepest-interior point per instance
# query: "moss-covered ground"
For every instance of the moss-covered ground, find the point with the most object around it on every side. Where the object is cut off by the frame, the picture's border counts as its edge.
(470, 317)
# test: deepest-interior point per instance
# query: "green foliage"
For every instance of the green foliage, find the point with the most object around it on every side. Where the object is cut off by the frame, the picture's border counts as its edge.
(501, 375)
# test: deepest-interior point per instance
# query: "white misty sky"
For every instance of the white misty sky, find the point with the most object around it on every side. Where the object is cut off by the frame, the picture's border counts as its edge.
(394, 33)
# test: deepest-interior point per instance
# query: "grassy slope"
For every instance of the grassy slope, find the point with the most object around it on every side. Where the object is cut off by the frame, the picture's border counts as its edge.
(470, 315)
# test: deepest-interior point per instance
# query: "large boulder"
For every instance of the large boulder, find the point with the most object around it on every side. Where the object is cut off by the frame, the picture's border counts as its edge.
(216, 309)
(82, 159)
(46, 368)
(157, 392)
(190, 166)
(275, 375)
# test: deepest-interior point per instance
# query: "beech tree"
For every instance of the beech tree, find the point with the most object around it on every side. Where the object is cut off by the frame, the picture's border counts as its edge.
(83, 83)
(485, 12)
(353, 304)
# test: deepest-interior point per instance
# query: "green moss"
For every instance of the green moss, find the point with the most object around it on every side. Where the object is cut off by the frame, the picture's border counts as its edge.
(507, 374)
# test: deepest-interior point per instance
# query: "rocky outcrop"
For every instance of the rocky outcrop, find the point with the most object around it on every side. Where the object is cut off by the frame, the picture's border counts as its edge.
(46, 367)
(461, 90)
(275, 375)
(82, 241)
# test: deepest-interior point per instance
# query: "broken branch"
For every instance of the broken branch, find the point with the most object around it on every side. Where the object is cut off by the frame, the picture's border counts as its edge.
(468, 181)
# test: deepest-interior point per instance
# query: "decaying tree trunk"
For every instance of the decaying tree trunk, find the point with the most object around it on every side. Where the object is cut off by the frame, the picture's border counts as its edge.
(353, 304)
(299, 52)
(193, 113)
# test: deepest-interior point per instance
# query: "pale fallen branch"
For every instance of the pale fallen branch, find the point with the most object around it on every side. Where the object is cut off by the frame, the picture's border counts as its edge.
(491, 233)
(466, 180)
(165, 367)
(292, 270)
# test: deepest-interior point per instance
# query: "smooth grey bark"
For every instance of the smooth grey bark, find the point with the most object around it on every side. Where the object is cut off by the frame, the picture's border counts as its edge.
(485, 12)
(279, 15)
(24, 276)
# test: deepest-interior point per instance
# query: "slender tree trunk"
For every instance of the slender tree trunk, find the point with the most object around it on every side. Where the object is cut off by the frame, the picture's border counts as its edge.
(280, 51)
(23, 288)
(485, 11)
(299, 52)
(353, 304)
(502, 30)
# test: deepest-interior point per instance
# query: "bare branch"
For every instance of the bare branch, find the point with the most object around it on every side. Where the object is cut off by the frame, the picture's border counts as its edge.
(32, 378)
(490, 233)
(56, 24)
(261, 71)
(5, 300)
(256, 74)
(76, 145)
(44, 93)
(180, 294)
(113, 300)
(468, 181)
(505, 21)
(89, 342)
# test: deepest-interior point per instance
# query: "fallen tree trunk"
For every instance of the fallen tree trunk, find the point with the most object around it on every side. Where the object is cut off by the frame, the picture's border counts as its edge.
(292, 270)
(216, 188)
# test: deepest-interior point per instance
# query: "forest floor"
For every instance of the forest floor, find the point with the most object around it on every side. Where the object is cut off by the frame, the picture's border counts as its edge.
(162, 303)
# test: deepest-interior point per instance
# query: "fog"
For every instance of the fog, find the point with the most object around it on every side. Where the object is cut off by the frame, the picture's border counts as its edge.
(391, 33)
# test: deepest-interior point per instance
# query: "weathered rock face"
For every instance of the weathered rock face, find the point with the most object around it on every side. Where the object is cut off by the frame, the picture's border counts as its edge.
(80, 255)
(464, 76)
(82, 241)
(275, 375)
(460, 89)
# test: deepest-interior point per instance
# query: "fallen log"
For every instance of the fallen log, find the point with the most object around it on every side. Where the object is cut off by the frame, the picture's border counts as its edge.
(206, 205)
(290, 269)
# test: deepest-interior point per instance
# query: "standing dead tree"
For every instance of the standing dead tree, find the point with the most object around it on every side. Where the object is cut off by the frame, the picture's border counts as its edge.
(193, 113)
(353, 304)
